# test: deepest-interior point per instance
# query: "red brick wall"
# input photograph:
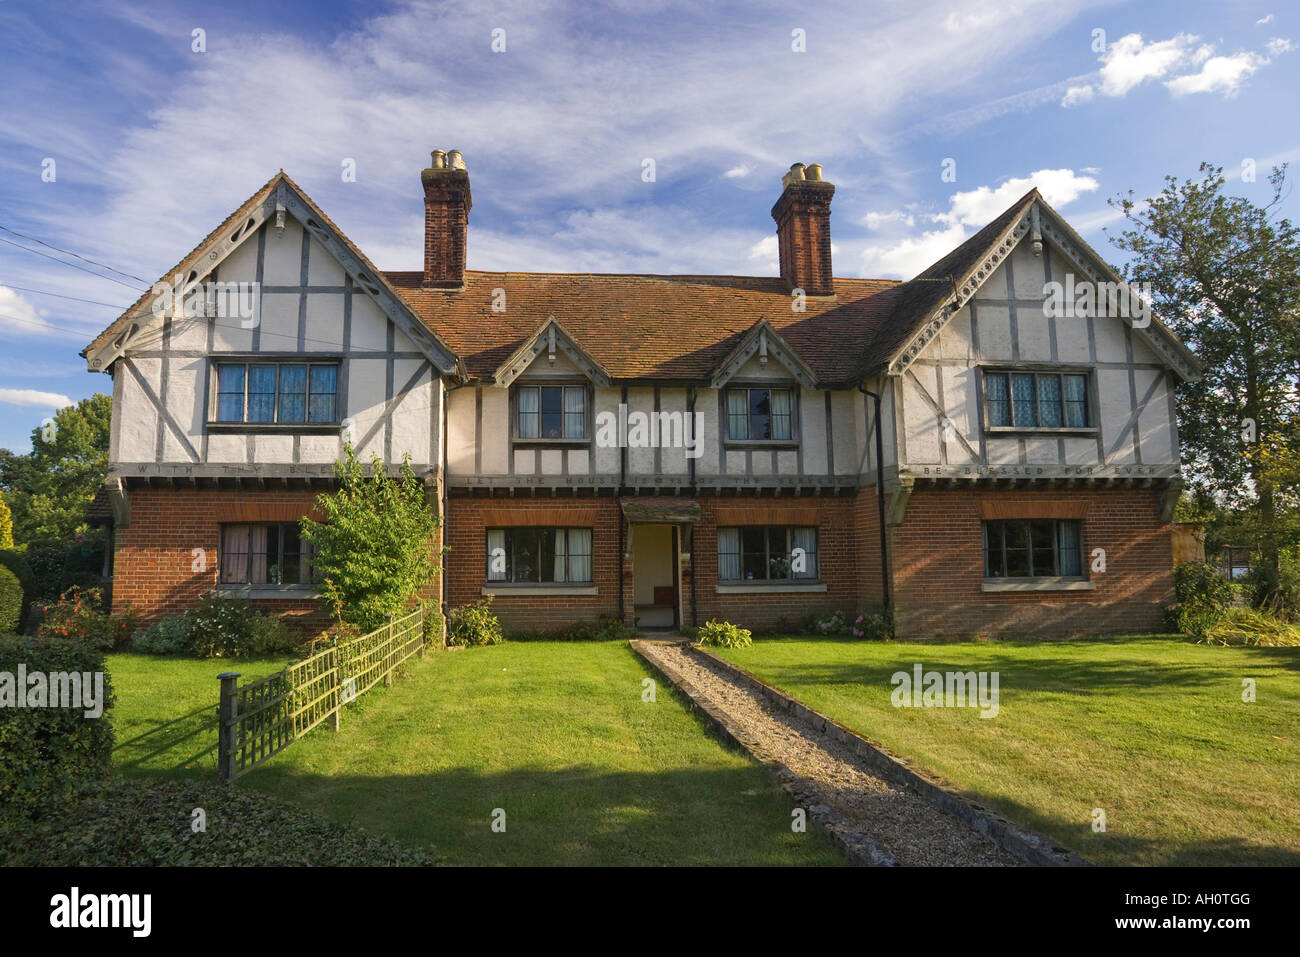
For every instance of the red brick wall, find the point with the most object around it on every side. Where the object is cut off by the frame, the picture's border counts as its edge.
(466, 561)
(837, 552)
(866, 529)
(937, 564)
(153, 557)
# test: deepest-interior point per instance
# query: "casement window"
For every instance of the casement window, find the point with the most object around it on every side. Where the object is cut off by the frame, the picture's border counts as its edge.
(1033, 548)
(1236, 562)
(277, 392)
(265, 554)
(1036, 400)
(551, 412)
(538, 555)
(767, 553)
(760, 413)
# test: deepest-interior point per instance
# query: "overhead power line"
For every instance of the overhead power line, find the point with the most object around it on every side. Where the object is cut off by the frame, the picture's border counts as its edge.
(69, 252)
(59, 295)
(66, 263)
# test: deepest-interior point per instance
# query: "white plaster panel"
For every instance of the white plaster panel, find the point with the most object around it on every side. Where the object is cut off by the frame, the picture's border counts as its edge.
(640, 461)
(761, 462)
(279, 322)
(1116, 406)
(1041, 450)
(366, 389)
(706, 402)
(845, 438)
(921, 427)
(552, 461)
(579, 461)
(322, 268)
(1153, 424)
(608, 456)
(1028, 271)
(316, 449)
(410, 419)
(994, 324)
(812, 412)
(1035, 336)
(460, 431)
(369, 325)
(283, 258)
(495, 454)
(273, 448)
(190, 334)
(1081, 451)
(787, 463)
(735, 463)
(1002, 451)
(955, 340)
(672, 456)
(241, 265)
(139, 420)
(1072, 339)
(525, 461)
(227, 449)
(1110, 340)
(324, 322)
(995, 287)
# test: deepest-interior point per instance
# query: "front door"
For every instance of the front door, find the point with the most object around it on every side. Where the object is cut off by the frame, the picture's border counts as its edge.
(654, 567)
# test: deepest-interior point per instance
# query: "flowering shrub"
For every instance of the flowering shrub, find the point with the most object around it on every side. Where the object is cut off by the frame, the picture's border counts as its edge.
(832, 624)
(873, 627)
(79, 614)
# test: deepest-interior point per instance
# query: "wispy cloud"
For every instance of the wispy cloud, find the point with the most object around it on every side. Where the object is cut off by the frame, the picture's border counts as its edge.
(31, 397)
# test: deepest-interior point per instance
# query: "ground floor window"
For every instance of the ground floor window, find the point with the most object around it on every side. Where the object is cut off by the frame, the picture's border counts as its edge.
(538, 555)
(265, 554)
(1033, 548)
(767, 553)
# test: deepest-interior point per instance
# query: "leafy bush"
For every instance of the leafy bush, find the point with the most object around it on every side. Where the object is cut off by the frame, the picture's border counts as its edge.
(170, 636)
(1249, 627)
(147, 823)
(871, 627)
(474, 624)
(604, 628)
(434, 626)
(44, 752)
(222, 627)
(79, 614)
(54, 566)
(723, 634)
(374, 548)
(11, 601)
(1201, 596)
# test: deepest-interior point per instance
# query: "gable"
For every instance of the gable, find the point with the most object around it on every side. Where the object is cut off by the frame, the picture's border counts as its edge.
(1037, 238)
(268, 240)
(544, 350)
(762, 348)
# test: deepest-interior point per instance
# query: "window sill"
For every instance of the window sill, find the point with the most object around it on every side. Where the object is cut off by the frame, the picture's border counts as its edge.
(550, 443)
(769, 588)
(1037, 584)
(287, 428)
(539, 590)
(267, 591)
(1063, 432)
(740, 445)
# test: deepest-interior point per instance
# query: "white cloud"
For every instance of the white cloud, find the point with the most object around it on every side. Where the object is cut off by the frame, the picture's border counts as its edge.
(967, 212)
(1267, 19)
(736, 172)
(766, 255)
(1129, 62)
(882, 220)
(1220, 74)
(31, 397)
(1278, 45)
(19, 318)
(1077, 94)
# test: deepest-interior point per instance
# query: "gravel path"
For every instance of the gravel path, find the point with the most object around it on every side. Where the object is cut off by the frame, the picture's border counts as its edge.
(901, 824)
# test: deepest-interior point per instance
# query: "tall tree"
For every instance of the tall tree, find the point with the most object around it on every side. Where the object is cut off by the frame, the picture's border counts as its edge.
(1225, 275)
(49, 489)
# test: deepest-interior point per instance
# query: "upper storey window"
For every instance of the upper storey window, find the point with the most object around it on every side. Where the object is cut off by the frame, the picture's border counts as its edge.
(760, 414)
(551, 412)
(277, 393)
(1036, 400)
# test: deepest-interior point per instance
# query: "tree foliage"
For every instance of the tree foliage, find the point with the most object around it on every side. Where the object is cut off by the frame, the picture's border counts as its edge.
(1225, 275)
(374, 548)
(49, 489)
(6, 524)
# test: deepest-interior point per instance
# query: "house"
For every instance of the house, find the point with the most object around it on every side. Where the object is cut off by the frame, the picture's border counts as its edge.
(966, 449)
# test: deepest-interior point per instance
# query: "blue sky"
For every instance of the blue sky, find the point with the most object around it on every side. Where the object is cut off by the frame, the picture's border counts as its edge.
(153, 143)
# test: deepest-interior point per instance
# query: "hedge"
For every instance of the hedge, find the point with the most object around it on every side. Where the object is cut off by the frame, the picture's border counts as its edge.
(11, 601)
(45, 752)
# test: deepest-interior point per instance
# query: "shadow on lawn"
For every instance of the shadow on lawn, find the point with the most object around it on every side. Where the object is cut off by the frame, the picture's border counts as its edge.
(570, 816)
(189, 743)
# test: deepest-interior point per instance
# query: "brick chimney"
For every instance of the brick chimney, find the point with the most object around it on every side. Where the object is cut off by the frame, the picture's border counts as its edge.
(446, 218)
(803, 230)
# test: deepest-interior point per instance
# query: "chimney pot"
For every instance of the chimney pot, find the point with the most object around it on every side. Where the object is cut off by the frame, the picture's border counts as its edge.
(455, 160)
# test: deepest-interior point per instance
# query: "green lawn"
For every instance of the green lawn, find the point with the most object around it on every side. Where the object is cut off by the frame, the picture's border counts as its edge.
(554, 734)
(1153, 731)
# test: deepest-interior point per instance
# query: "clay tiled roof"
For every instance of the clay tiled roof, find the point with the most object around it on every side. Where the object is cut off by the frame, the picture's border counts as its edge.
(664, 327)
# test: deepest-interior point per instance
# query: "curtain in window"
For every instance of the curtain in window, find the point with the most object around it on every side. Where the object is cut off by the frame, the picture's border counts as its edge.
(1049, 402)
(1022, 400)
(574, 404)
(230, 393)
(999, 402)
(496, 539)
(324, 387)
(780, 413)
(1076, 401)
(561, 574)
(729, 554)
(737, 414)
(292, 401)
(1068, 538)
(580, 554)
(528, 413)
(805, 539)
(234, 554)
(257, 556)
(261, 393)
